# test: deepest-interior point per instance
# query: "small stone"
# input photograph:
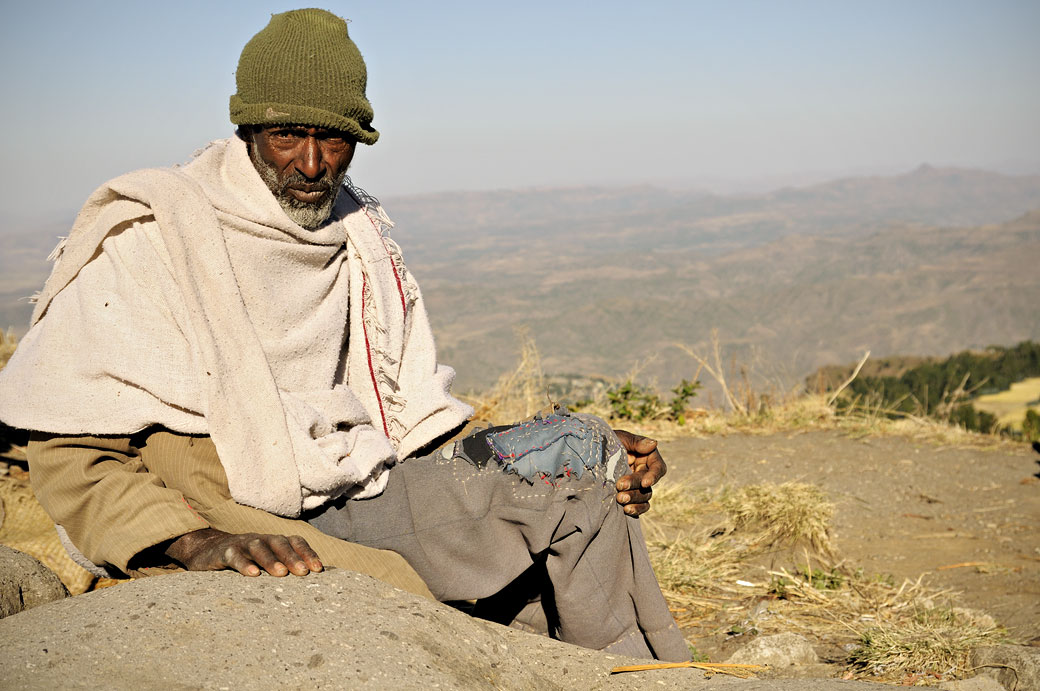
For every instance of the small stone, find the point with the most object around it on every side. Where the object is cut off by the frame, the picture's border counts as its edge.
(779, 650)
(1014, 666)
(979, 683)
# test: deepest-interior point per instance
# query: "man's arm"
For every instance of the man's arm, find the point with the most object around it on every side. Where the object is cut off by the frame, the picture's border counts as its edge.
(114, 510)
(635, 489)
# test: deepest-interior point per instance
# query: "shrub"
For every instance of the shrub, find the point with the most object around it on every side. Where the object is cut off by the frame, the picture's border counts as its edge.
(630, 401)
(1031, 426)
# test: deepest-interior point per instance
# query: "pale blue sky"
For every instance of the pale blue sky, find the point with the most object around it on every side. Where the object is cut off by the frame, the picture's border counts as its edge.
(476, 95)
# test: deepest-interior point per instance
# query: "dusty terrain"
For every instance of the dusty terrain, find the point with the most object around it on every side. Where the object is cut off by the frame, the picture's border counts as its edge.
(967, 518)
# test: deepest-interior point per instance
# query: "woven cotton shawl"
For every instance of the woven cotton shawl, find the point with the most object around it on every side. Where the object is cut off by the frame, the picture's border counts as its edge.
(187, 298)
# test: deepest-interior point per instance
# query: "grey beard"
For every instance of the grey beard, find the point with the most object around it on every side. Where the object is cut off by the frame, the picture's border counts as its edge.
(309, 216)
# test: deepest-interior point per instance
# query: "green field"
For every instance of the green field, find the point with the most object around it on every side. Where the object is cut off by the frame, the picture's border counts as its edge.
(1010, 406)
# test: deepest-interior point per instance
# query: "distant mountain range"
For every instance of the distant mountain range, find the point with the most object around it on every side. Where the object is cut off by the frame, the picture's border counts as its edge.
(930, 262)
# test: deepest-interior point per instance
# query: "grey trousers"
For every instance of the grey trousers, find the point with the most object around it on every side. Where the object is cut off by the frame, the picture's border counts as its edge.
(557, 549)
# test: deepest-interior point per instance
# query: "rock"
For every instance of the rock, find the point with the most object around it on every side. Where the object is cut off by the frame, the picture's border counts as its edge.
(1016, 667)
(778, 651)
(332, 630)
(25, 582)
(979, 683)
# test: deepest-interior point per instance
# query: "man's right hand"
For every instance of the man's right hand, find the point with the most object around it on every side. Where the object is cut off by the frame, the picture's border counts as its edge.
(249, 553)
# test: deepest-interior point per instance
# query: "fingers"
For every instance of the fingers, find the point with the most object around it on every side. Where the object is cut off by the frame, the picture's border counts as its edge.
(635, 502)
(644, 446)
(239, 555)
(655, 469)
(278, 555)
(636, 443)
(634, 489)
(250, 554)
(309, 556)
(636, 509)
(645, 473)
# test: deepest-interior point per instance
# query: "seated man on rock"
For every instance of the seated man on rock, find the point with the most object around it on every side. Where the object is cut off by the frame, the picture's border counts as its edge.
(230, 367)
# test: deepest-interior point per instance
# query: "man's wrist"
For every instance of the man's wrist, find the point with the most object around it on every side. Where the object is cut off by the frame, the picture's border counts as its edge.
(183, 548)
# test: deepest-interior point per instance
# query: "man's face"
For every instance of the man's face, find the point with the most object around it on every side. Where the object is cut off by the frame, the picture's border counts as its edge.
(303, 167)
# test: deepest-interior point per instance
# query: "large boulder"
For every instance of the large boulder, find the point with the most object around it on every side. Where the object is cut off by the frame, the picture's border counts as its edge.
(332, 630)
(25, 582)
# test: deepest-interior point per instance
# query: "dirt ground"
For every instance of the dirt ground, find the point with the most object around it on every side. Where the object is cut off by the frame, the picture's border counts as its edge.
(968, 518)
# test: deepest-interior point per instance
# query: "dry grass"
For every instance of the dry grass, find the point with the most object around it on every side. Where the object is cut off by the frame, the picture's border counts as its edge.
(518, 394)
(786, 514)
(935, 642)
(8, 342)
(523, 392)
(708, 550)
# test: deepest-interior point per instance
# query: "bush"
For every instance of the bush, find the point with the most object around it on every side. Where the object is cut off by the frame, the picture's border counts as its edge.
(1031, 426)
(630, 401)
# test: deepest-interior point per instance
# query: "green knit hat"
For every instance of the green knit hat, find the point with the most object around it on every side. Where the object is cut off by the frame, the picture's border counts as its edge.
(303, 69)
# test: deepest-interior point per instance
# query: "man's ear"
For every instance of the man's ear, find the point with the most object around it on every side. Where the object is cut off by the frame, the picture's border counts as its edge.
(245, 133)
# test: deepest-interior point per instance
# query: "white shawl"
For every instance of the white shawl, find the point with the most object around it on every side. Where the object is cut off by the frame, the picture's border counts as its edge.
(187, 298)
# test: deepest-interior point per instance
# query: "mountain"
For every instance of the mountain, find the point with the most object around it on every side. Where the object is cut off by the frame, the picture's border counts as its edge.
(930, 262)
(606, 279)
(24, 268)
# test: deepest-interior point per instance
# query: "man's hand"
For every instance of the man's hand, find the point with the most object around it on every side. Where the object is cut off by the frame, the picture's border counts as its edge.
(249, 553)
(647, 467)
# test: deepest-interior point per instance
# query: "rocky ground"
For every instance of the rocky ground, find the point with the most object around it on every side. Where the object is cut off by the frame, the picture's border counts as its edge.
(332, 630)
(950, 526)
(966, 517)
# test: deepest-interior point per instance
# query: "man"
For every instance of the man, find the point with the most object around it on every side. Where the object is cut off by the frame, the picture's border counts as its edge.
(231, 367)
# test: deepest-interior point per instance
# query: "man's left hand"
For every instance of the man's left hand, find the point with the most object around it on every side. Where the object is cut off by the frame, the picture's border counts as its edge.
(647, 467)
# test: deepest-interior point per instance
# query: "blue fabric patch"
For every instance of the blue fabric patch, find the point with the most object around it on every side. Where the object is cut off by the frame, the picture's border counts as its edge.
(558, 445)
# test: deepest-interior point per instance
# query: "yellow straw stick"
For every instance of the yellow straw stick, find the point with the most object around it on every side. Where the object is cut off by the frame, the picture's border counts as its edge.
(742, 671)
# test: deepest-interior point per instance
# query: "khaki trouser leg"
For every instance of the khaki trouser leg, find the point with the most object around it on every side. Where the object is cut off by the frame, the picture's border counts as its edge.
(191, 465)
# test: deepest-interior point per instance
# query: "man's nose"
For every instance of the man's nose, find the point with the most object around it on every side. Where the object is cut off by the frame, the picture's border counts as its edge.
(309, 161)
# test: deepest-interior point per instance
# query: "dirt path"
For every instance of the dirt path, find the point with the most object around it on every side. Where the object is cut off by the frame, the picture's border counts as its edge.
(968, 517)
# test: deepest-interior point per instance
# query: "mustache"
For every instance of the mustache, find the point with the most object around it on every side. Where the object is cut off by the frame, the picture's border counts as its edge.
(297, 181)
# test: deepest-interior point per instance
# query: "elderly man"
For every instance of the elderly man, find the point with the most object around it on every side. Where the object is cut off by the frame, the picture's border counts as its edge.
(231, 367)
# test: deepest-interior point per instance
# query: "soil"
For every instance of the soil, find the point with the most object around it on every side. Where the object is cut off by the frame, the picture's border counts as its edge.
(967, 518)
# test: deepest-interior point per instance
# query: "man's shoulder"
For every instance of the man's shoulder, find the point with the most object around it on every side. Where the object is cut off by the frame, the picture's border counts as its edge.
(177, 174)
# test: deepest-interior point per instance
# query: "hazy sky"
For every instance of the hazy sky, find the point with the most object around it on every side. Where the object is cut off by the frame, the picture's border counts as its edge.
(483, 94)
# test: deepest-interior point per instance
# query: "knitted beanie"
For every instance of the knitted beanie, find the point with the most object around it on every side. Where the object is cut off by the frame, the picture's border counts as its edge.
(303, 69)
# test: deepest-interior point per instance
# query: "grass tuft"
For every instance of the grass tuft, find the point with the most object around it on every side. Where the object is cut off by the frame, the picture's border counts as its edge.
(935, 641)
(714, 580)
(783, 514)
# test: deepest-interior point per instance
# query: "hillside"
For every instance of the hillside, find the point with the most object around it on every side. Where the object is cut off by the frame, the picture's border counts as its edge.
(804, 300)
(929, 262)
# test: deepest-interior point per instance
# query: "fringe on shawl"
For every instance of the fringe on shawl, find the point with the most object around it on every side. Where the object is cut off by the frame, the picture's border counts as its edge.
(383, 366)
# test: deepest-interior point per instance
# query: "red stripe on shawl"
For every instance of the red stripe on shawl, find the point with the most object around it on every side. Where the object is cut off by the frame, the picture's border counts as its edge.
(400, 290)
(393, 266)
(368, 351)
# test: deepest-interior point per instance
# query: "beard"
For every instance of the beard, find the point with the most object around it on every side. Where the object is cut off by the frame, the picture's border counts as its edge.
(304, 214)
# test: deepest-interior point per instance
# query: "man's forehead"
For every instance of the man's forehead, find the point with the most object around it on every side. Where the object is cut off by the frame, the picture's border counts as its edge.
(314, 129)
